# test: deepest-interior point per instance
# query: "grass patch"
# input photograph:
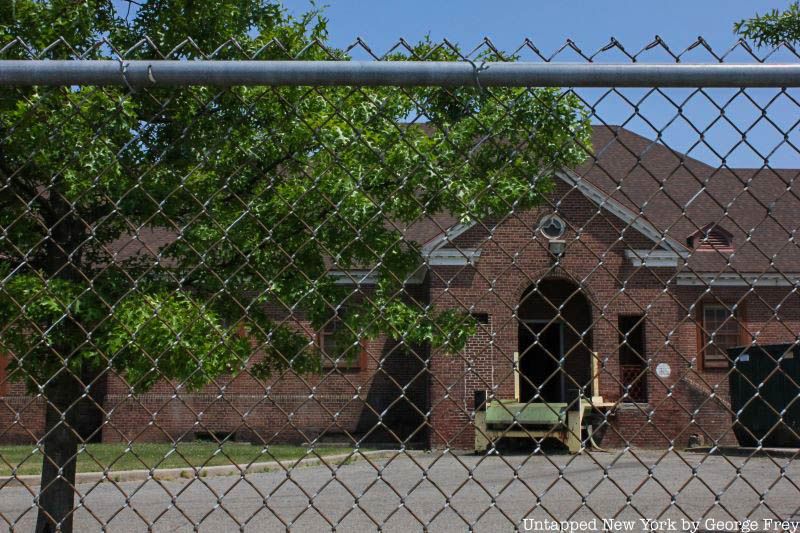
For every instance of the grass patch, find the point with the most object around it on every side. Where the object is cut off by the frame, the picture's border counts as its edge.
(97, 457)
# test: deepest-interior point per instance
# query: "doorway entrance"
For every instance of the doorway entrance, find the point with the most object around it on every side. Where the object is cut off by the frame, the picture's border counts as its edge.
(555, 342)
(541, 351)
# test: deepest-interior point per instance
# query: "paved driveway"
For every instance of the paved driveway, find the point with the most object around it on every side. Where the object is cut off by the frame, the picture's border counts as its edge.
(405, 493)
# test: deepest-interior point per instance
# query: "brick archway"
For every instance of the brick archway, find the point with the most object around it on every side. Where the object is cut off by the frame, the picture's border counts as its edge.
(548, 274)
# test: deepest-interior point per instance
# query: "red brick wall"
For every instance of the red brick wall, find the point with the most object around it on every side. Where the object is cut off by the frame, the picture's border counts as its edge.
(21, 415)
(3, 377)
(288, 407)
(514, 256)
(391, 399)
(384, 401)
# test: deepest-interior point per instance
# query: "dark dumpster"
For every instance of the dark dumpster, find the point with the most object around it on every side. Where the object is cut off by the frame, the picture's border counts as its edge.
(764, 386)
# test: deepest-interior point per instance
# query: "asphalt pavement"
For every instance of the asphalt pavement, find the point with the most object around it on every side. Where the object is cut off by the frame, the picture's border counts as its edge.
(446, 492)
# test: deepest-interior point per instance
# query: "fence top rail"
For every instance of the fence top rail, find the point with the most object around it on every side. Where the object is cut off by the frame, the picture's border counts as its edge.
(152, 73)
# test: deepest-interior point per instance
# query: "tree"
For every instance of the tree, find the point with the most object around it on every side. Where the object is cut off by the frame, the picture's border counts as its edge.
(773, 28)
(262, 188)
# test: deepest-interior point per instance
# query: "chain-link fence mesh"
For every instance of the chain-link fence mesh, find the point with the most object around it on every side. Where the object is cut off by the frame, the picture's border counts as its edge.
(418, 307)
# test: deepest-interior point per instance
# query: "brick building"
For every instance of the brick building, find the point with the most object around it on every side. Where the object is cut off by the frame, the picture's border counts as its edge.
(652, 260)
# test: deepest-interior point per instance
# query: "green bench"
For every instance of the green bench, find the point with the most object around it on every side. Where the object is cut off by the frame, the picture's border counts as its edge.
(509, 418)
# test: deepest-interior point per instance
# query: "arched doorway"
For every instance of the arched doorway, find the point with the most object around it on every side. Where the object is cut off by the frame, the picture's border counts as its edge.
(555, 342)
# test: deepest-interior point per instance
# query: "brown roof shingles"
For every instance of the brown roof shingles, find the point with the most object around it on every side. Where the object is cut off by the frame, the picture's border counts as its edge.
(675, 193)
(679, 195)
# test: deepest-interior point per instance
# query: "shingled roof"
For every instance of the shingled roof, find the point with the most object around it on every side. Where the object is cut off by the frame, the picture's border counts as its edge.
(675, 194)
(680, 195)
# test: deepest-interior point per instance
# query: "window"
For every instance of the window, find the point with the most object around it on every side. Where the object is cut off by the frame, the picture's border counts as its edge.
(335, 354)
(718, 329)
(632, 359)
(3, 377)
(553, 227)
(480, 318)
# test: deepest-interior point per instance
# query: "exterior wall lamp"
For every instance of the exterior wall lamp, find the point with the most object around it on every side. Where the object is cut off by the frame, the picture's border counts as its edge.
(557, 247)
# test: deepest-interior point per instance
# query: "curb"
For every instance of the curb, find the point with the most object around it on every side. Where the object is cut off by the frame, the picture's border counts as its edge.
(737, 451)
(169, 474)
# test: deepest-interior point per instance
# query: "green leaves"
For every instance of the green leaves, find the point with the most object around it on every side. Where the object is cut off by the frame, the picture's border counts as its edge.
(170, 224)
(253, 23)
(773, 28)
(447, 330)
(40, 23)
(42, 325)
(82, 157)
(154, 336)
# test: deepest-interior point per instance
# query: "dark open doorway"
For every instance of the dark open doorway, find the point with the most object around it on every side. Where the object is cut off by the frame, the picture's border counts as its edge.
(539, 361)
(555, 341)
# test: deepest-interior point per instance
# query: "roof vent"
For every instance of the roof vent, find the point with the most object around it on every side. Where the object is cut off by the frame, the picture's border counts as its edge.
(711, 237)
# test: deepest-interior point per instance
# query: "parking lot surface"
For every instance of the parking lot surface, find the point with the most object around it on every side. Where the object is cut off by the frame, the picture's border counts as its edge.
(446, 492)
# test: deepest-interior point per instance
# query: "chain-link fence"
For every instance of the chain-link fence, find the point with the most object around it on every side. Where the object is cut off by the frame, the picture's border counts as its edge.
(431, 290)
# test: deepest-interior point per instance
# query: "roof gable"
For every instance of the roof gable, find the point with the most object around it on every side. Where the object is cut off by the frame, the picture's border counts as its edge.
(667, 196)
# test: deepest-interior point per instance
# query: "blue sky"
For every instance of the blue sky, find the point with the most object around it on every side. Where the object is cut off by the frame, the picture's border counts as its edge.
(743, 137)
(591, 24)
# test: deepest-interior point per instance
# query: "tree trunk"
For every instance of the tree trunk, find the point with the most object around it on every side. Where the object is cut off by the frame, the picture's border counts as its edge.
(56, 493)
(63, 391)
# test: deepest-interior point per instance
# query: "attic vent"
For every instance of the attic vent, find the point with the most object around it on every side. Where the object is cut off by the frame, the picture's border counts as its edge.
(711, 238)
(714, 239)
